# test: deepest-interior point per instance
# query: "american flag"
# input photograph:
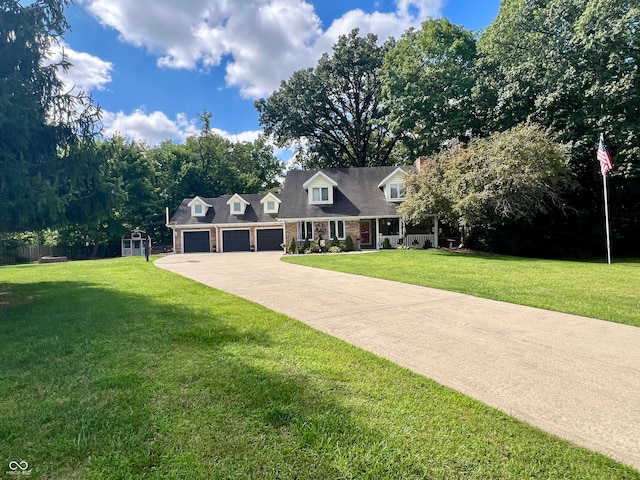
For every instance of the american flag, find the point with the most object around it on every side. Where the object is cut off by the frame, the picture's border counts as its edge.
(604, 157)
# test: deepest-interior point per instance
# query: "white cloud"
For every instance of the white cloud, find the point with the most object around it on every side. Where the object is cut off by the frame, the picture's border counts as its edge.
(155, 127)
(150, 128)
(86, 73)
(265, 40)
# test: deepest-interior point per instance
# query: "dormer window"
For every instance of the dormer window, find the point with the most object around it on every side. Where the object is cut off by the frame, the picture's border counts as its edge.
(320, 189)
(320, 194)
(198, 207)
(396, 192)
(270, 203)
(393, 186)
(237, 205)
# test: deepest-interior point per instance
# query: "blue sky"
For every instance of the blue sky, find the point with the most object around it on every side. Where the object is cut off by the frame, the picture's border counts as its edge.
(153, 65)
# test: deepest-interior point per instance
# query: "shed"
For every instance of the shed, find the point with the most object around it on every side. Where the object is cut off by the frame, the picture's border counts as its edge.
(134, 243)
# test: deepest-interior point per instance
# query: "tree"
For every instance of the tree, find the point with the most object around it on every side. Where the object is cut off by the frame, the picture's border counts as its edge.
(428, 78)
(42, 127)
(211, 165)
(333, 112)
(513, 176)
(573, 66)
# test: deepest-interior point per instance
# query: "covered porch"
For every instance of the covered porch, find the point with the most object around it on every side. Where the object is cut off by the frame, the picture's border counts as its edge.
(392, 231)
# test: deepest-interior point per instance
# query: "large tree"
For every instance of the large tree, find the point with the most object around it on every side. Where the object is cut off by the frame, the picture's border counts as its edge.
(428, 79)
(573, 66)
(333, 113)
(46, 171)
(508, 177)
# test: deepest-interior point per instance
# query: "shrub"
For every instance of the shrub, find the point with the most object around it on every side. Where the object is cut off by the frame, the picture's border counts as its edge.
(386, 243)
(306, 244)
(335, 242)
(416, 246)
(427, 244)
(348, 244)
(301, 250)
(293, 246)
(335, 249)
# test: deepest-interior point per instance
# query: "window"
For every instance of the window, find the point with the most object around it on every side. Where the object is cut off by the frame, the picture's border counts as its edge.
(305, 230)
(237, 207)
(271, 206)
(396, 192)
(197, 209)
(336, 229)
(320, 194)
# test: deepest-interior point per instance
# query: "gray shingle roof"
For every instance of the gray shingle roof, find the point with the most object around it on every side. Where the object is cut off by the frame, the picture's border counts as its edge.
(357, 194)
(220, 213)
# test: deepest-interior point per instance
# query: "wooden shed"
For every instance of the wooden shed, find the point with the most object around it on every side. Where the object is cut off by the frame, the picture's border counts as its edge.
(135, 243)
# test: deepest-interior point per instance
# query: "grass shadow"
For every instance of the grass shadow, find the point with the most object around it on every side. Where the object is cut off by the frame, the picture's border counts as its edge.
(102, 383)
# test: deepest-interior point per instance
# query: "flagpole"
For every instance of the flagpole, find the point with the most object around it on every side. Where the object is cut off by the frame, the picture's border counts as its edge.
(606, 218)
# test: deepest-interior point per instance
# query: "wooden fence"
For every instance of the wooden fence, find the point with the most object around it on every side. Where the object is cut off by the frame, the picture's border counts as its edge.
(32, 253)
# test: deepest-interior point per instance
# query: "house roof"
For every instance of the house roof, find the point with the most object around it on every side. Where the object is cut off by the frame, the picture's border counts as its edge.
(198, 199)
(220, 213)
(237, 198)
(356, 194)
(386, 179)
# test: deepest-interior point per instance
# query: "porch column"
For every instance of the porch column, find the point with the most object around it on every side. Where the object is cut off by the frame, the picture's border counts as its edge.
(378, 234)
(436, 228)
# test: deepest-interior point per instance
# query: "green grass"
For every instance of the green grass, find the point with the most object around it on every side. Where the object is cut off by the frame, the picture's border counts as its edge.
(117, 369)
(597, 290)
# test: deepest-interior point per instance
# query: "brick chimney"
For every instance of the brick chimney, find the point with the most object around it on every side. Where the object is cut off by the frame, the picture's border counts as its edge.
(419, 162)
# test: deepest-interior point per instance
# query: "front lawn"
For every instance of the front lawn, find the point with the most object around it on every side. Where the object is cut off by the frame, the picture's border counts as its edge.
(597, 290)
(117, 369)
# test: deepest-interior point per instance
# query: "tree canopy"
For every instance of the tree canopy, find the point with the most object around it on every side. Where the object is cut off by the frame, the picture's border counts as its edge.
(45, 131)
(428, 78)
(333, 113)
(511, 176)
(573, 66)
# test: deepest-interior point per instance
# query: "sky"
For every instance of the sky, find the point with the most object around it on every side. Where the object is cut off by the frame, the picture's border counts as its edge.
(154, 65)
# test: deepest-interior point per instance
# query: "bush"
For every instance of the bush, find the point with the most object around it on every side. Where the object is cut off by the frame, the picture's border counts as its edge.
(335, 242)
(293, 246)
(335, 249)
(301, 250)
(306, 244)
(348, 244)
(427, 244)
(386, 243)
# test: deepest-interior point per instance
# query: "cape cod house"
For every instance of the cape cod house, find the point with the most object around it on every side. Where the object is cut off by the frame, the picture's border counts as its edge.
(357, 202)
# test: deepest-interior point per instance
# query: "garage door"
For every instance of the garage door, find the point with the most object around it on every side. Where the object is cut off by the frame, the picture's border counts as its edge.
(269, 239)
(235, 241)
(196, 242)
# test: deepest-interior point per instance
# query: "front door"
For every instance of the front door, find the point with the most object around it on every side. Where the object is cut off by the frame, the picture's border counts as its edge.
(137, 248)
(365, 232)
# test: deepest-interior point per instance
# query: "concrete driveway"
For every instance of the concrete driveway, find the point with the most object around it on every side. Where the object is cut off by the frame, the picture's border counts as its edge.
(572, 376)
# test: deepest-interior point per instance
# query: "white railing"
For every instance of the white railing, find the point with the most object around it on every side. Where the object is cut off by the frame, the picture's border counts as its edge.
(409, 239)
(393, 239)
(421, 238)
